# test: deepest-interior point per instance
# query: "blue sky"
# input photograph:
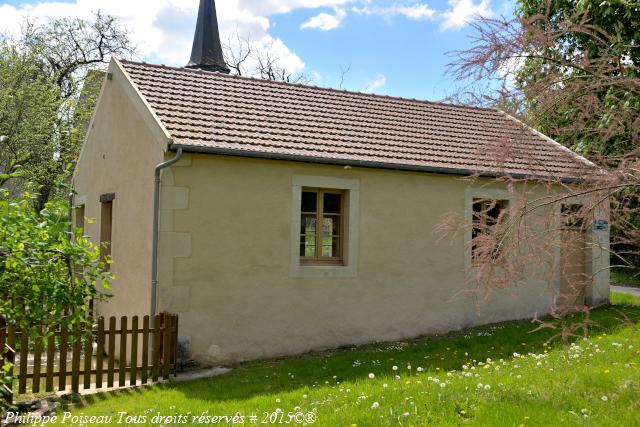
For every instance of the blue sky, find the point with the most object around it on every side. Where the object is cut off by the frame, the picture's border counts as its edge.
(393, 47)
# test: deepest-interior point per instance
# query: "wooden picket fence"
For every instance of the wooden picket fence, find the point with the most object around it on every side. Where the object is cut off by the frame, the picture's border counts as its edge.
(146, 353)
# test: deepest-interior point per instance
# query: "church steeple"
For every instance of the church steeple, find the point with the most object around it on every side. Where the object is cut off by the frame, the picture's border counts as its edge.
(206, 53)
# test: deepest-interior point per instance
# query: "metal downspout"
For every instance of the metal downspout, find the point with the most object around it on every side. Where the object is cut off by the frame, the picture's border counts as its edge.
(155, 231)
(70, 198)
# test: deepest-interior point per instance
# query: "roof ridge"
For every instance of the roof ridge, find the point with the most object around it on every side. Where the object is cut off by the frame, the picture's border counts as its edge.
(247, 116)
(301, 85)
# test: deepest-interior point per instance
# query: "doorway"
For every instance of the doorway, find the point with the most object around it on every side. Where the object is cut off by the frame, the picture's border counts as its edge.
(573, 277)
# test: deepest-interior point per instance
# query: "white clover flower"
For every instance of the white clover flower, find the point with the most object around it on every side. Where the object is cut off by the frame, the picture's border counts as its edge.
(385, 385)
(304, 396)
(584, 411)
(480, 385)
(604, 398)
(277, 400)
(409, 367)
(443, 385)
(406, 414)
(397, 377)
(518, 376)
(487, 387)
(372, 376)
(395, 368)
(420, 369)
(374, 405)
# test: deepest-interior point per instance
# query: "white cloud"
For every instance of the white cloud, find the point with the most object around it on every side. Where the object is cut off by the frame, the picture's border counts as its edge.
(461, 12)
(510, 68)
(379, 81)
(325, 21)
(163, 29)
(416, 11)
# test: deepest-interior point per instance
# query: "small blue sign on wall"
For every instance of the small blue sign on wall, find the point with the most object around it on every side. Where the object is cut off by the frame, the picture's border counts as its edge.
(601, 224)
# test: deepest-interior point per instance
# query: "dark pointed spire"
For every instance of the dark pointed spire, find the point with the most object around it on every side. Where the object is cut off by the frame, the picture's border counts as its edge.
(207, 49)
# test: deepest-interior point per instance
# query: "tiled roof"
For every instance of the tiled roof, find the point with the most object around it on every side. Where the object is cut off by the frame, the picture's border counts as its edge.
(225, 114)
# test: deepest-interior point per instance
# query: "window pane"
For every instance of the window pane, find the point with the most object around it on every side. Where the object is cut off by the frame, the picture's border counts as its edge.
(309, 201)
(332, 203)
(307, 246)
(572, 216)
(331, 226)
(488, 211)
(331, 246)
(308, 224)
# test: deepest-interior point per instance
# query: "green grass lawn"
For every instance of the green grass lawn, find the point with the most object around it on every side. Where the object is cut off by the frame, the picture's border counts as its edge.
(499, 375)
(624, 299)
(626, 278)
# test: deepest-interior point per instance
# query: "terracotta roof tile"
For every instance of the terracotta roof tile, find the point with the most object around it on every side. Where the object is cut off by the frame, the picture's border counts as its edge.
(238, 115)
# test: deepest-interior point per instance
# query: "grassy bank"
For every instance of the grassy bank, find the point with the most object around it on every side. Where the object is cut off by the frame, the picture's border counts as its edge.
(500, 375)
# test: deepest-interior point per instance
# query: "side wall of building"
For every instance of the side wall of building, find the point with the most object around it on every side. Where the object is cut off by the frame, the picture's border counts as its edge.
(123, 146)
(227, 265)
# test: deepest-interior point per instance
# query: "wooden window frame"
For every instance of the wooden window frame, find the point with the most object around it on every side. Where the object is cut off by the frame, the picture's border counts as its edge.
(319, 260)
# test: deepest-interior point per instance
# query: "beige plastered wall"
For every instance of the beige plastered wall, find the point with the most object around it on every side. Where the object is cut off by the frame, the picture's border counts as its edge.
(227, 268)
(122, 148)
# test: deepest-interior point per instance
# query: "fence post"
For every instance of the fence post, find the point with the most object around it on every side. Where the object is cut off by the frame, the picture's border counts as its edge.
(166, 346)
(75, 360)
(11, 359)
(175, 346)
(4, 353)
(156, 348)
(24, 360)
(111, 352)
(122, 363)
(37, 361)
(51, 354)
(64, 346)
(88, 356)
(100, 353)
(133, 372)
(145, 350)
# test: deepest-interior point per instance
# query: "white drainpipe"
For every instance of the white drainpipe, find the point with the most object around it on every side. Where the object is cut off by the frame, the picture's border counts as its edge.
(156, 221)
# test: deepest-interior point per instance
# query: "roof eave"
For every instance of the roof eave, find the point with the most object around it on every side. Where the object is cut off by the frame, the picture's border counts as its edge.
(363, 163)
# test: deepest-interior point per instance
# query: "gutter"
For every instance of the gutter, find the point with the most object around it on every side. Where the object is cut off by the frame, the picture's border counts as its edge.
(360, 163)
(156, 221)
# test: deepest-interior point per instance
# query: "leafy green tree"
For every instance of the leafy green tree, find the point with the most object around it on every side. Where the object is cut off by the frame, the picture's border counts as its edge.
(56, 67)
(48, 274)
(593, 54)
(28, 115)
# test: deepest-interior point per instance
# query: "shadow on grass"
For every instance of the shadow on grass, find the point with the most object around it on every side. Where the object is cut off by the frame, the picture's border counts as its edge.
(435, 354)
